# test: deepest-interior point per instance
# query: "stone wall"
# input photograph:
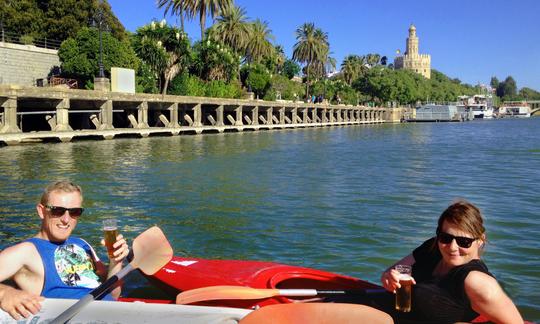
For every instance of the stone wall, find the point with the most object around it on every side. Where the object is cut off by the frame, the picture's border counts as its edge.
(25, 64)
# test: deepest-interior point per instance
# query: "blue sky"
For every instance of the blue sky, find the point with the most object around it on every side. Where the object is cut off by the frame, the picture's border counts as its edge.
(471, 40)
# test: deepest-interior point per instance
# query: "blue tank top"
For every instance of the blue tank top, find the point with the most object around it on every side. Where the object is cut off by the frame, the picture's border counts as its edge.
(69, 269)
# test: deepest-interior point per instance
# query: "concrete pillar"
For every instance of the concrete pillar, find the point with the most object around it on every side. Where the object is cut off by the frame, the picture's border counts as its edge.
(219, 115)
(294, 114)
(255, 116)
(305, 118)
(238, 118)
(102, 84)
(173, 115)
(62, 116)
(269, 115)
(106, 115)
(282, 115)
(324, 117)
(314, 115)
(197, 115)
(9, 120)
(142, 115)
(339, 117)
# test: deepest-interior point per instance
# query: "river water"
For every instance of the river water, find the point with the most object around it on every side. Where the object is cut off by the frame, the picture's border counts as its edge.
(349, 199)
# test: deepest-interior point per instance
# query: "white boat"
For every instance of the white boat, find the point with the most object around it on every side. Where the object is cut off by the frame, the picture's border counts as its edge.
(104, 312)
(480, 105)
(515, 109)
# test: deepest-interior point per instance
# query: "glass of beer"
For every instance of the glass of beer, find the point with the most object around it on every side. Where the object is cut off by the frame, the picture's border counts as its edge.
(110, 229)
(403, 294)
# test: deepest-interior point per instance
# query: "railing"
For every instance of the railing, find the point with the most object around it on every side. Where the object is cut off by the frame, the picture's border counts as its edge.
(15, 38)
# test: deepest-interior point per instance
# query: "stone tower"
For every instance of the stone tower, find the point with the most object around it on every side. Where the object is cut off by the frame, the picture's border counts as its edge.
(411, 60)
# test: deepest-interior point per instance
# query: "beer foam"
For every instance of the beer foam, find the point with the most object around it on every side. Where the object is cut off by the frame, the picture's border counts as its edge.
(110, 228)
(405, 276)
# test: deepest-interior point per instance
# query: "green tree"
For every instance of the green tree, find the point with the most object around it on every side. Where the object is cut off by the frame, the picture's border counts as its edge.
(529, 94)
(352, 67)
(79, 56)
(259, 45)
(257, 78)
(214, 61)
(311, 46)
(494, 82)
(164, 48)
(290, 69)
(176, 7)
(232, 29)
(204, 8)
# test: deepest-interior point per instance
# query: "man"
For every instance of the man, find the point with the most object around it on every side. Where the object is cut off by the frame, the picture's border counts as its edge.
(53, 264)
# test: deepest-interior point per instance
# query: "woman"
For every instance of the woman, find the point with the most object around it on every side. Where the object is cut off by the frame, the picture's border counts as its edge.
(452, 284)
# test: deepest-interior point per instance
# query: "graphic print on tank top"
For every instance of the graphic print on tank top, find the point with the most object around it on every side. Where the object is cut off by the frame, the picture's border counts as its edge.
(74, 266)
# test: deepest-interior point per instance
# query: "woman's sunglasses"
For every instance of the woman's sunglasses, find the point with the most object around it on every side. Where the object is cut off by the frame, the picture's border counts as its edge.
(463, 242)
(57, 211)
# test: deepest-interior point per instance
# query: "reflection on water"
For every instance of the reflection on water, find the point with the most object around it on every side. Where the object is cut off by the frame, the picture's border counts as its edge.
(350, 200)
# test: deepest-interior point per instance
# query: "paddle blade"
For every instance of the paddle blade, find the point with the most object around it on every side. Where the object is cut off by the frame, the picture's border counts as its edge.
(223, 292)
(151, 251)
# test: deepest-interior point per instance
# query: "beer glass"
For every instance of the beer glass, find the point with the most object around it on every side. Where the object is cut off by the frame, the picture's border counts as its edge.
(110, 229)
(403, 294)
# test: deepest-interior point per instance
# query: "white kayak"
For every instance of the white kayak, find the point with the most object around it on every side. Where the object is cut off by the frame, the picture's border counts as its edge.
(104, 312)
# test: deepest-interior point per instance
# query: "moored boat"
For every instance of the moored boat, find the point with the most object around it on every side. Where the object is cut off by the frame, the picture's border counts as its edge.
(515, 109)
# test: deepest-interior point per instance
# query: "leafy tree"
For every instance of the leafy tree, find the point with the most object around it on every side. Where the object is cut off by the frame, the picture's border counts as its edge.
(509, 88)
(529, 94)
(287, 89)
(290, 69)
(55, 19)
(187, 85)
(164, 48)
(79, 56)
(494, 82)
(258, 79)
(214, 61)
(352, 67)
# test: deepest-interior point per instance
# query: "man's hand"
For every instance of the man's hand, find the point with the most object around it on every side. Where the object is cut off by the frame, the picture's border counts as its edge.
(121, 249)
(18, 303)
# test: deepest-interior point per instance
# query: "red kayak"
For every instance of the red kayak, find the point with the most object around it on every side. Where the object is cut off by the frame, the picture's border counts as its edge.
(182, 274)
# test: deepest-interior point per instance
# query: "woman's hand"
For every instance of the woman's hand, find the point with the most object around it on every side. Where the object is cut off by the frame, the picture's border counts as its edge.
(390, 280)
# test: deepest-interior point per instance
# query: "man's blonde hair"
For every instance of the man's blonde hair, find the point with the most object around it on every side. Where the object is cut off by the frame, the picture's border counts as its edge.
(63, 186)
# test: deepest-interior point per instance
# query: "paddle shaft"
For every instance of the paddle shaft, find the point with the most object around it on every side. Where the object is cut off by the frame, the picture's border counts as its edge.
(315, 292)
(93, 295)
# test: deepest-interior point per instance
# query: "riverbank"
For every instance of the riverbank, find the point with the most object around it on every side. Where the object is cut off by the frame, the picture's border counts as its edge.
(31, 114)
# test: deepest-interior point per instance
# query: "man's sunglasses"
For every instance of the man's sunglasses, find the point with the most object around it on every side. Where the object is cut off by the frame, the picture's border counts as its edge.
(57, 211)
(463, 242)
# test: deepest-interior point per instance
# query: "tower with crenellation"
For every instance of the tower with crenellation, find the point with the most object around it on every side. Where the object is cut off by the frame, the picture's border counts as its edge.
(411, 60)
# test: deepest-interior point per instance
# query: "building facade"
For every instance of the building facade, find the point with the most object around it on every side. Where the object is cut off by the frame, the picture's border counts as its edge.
(411, 60)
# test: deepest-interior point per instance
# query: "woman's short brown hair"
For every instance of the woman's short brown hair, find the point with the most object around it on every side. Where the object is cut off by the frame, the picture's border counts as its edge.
(466, 216)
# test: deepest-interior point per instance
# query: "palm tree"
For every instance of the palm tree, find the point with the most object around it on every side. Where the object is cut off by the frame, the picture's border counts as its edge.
(203, 7)
(372, 59)
(311, 46)
(259, 45)
(352, 67)
(232, 29)
(177, 7)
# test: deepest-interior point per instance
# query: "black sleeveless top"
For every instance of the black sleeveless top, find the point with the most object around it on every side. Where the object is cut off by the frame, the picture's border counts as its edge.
(441, 299)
